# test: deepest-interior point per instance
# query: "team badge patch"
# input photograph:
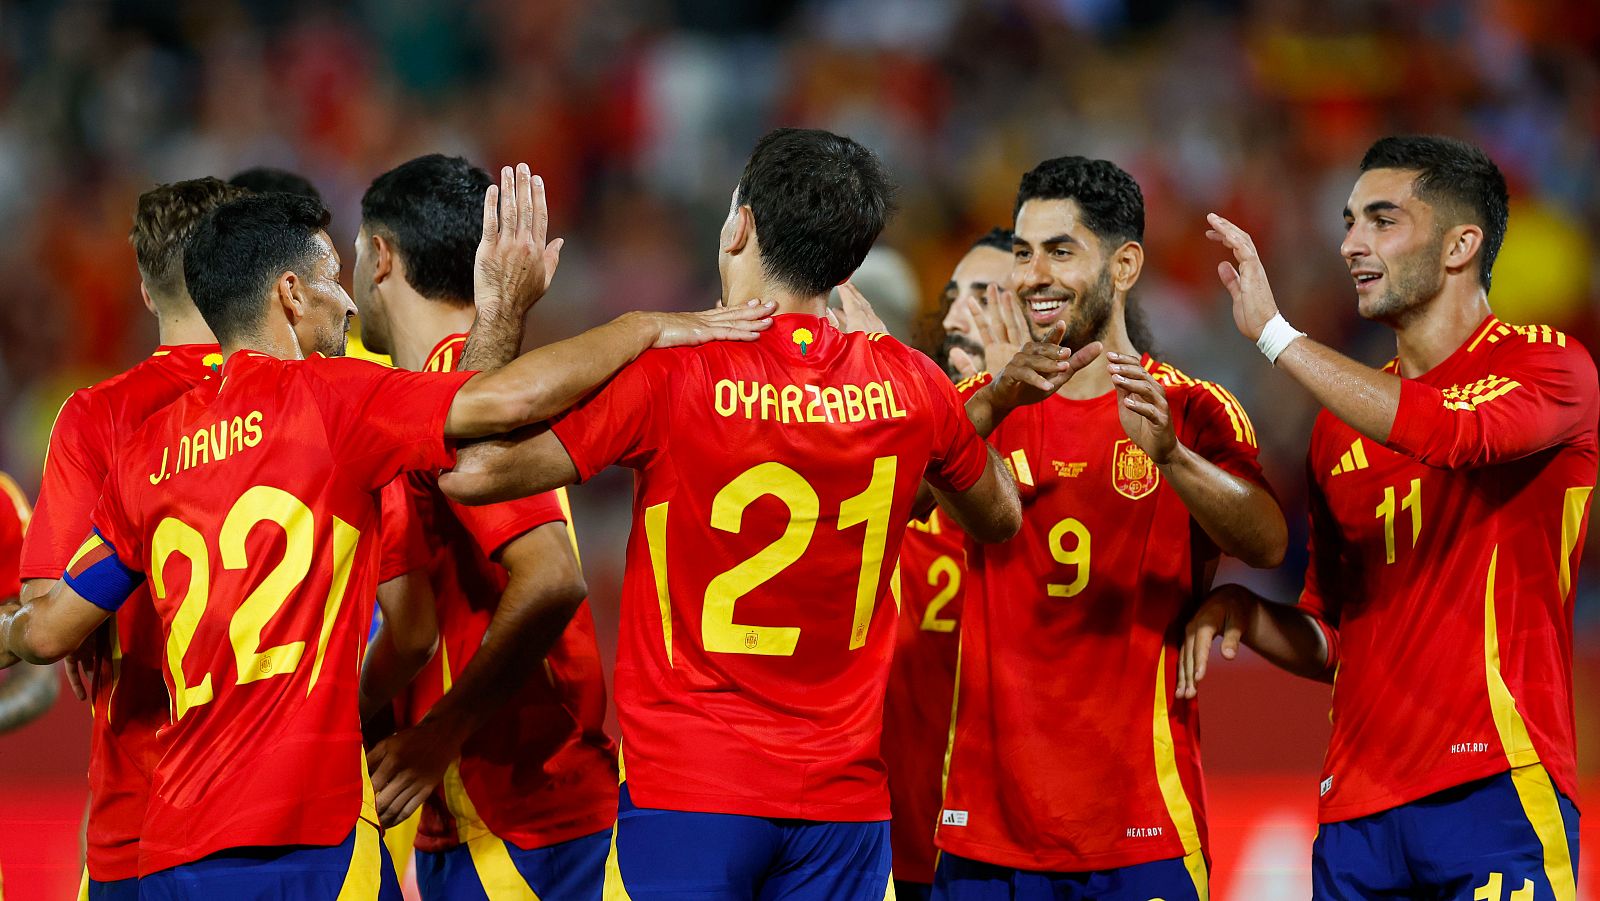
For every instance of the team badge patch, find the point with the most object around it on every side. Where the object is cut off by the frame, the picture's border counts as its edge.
(1133, 473)
(804, 338)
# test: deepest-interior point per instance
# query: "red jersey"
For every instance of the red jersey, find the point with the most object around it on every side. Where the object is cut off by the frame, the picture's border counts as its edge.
(1445, 562)
(543, 771)
(128, 699)
(251, 503)
(13, 524)
(775, 480)
(1068, 750)
(922, 681)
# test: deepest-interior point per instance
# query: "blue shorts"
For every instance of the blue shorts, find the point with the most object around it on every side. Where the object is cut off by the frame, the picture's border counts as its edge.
(671, 855)
(1511, 836)
(121, 890)
(1176, 879)
(358, 866)
(488, 867)
(912, 891)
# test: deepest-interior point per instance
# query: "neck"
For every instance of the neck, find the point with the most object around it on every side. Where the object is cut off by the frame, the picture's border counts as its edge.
(187, 328)
(1428, 336)
(417, 325)
(743, 291)
(1095, 379)
(277, 340)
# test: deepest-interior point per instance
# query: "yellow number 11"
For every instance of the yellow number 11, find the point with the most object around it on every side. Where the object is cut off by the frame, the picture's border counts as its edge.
(1386, 512)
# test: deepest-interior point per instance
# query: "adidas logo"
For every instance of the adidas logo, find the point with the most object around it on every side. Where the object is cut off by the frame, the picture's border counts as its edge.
(1355, 458)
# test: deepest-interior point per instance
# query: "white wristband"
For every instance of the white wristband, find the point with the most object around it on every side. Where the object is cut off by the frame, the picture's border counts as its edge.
(1277, 336)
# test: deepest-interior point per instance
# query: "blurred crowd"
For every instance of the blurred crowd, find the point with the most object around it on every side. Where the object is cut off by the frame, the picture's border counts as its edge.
(639, 114)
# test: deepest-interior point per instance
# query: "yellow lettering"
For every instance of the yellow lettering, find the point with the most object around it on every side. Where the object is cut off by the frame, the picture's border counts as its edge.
(854, 410)
(749, 400)
(160, 474)
(792, 395)
(201, 448)
(236, 438)
(252, 429)
(833, 402)
(895, 410)
(184, 461)
(877, 405)
(219, 440)
(815, 405)
(769, 400)
(727, 397)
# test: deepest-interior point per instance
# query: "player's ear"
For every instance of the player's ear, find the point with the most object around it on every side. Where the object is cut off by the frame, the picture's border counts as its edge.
(1126, 264)
(289, 294)
(739, 230)
(1461, 246)
(383, 259)
(144, 293)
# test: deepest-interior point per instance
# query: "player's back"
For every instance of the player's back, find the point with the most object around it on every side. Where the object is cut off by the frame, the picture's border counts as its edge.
(249, 503)
(775, 482)
(129, 698)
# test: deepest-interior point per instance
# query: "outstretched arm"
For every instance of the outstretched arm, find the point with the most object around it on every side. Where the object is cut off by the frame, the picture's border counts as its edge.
(47, 627)
(1286, 636)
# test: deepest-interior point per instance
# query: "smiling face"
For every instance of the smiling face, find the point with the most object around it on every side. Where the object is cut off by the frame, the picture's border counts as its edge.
(1061, 272)
(327, 311)
(981, 267)
(1393, 244)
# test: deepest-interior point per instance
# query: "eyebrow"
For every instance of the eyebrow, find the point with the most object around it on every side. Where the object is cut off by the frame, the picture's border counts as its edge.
(1377, 206)
(1054, 239)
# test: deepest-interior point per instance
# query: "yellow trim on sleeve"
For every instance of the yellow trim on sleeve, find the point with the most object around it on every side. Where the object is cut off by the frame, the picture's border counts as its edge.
(1574, 513)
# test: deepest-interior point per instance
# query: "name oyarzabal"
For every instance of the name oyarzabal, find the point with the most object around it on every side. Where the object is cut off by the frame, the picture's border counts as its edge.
(807, 403)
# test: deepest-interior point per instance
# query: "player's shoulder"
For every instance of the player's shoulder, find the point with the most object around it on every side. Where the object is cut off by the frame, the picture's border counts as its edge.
(1505, 344)
(1185, 388)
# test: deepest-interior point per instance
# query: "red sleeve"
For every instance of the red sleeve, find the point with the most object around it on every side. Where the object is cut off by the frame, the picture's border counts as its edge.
(972, 385)
(13, 524)
(113, 521)
(612, 425)
(1217, 428)
(75, 469)
(496, 525)
(403, 544)
(382, 422)
(1537, 396)
(1322, 597)
(959, 454)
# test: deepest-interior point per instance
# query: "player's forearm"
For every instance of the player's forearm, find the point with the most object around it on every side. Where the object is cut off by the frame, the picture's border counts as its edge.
(26, 695)
(985, 414)
(387, 670)
(1288, 639)
(526, 625)
(23, 637)
(548, 380)
(990, 511)
(528, 462)
(1240, 516)
(1364, 398)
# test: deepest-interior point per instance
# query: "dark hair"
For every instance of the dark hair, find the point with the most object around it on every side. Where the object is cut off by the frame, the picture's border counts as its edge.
(431, 209)
(1451, 174)
(1109, 198)
(267, 180)
(997, 238)
(241, 249)
(163, 220)
(819, 200)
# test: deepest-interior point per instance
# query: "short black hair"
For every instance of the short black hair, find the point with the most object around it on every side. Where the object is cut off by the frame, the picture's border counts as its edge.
(241, 248)
(1109, 198)
(997, 238)
(431, 210)
(1455, 175)
(164, 218)
(819, 200)
(267, 180)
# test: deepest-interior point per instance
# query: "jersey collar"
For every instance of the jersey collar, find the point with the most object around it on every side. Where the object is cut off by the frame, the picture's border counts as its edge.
(446, 355)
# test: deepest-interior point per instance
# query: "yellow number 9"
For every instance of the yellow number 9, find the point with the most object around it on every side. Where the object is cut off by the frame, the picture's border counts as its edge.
(1077, 556)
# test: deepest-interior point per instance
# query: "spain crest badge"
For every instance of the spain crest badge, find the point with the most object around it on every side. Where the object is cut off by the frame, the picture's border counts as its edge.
(1133, 473)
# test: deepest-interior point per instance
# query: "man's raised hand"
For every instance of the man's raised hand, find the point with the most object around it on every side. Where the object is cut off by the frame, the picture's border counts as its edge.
(741, 322)
(514, 265)
(1253, 304)
(1040, 369)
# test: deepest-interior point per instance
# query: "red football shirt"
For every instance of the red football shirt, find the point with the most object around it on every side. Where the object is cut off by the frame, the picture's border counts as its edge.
(128, 699)
(13, 524)
(922, 681)
(251, 502)
(775, 480)
(1069, 752)
(543, 771)
(1446, 563)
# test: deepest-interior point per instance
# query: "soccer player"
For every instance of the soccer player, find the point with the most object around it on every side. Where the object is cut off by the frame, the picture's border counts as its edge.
(931, 581)
(987, 262)
(510, 713)
(1449, 502)
(30, 690)
(774, 483)
(93, 423)
(248, 502)
(1073, 772)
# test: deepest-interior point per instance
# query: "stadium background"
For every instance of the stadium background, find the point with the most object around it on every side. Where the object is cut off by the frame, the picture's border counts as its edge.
(639, 115)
